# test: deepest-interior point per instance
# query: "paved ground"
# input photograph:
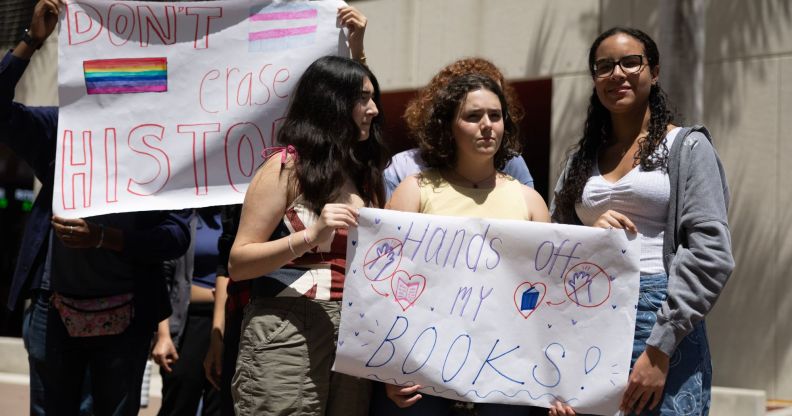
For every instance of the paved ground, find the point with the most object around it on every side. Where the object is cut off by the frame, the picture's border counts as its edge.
(15, 397)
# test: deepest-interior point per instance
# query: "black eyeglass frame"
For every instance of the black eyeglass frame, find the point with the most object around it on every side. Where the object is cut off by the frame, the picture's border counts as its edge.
(619, 63)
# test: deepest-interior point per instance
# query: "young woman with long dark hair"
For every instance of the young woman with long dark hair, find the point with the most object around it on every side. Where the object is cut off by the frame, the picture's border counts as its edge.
(634, 169)
(293, 231)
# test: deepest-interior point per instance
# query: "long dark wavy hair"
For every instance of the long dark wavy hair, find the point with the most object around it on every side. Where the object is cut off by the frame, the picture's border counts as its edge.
(320, 126)
(434, 134)
(597, 130)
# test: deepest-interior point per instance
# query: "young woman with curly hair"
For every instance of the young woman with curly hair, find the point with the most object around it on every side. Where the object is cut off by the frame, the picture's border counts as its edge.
(293, 233)
(466, 134)
(409, 162)
(634, 169)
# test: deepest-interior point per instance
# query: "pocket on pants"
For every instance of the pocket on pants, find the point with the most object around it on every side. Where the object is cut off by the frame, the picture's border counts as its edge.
(273, 362)
(651, 299)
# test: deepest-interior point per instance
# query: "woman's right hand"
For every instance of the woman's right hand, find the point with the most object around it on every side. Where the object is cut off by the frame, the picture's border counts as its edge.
(403, 396)
(332, 217)
(560, 409)
(612, 219)
(213, 361)
(164, 352)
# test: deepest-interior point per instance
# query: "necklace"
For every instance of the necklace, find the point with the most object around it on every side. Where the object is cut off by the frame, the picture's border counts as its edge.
(475, 184)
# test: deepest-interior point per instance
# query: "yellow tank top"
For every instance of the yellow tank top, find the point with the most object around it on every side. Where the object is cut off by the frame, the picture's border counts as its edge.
(505, 201)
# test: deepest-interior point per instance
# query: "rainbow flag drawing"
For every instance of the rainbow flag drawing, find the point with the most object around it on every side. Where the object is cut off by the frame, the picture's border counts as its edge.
(126, 75)
(286, 26)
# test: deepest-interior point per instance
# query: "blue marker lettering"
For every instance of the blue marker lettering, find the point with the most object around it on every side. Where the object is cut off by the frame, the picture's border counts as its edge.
(389, 341)
(407, 239)
(462, 364)
(489, 361)
(557, 370)
(497, 254)
(436, 254)
(434, 342)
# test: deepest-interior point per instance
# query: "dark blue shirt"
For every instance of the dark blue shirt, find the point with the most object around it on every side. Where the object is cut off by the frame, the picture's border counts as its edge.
(149, 237)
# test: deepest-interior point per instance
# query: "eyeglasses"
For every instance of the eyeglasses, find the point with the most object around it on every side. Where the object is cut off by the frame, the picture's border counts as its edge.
(629, 64)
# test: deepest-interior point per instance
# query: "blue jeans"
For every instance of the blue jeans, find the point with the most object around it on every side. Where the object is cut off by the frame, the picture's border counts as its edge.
(689, 382)
(59, 365)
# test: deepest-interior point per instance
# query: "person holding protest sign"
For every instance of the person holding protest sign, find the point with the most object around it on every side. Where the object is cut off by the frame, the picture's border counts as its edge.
(465, 136)
(232, 296)
(633, 169)
(407, 163)
(96, 284)
(293, 230)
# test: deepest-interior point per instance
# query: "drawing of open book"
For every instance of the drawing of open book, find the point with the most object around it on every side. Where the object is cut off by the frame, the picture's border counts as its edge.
(407, 290)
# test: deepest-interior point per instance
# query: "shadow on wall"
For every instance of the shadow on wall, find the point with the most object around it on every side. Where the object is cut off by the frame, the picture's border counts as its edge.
(736, 66)
(567, 124)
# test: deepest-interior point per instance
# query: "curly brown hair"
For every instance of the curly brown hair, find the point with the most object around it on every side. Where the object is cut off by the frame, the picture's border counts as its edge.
(418, 108)
(435, 137)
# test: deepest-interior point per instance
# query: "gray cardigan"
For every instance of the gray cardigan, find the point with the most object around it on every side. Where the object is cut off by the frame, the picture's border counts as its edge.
(697, 243)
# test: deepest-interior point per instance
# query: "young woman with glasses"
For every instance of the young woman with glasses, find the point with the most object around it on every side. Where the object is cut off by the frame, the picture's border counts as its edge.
(634, 169)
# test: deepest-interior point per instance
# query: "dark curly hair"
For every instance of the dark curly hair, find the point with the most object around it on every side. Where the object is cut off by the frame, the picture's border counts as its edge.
(597, 131)
(435, 138)
(416, 112)
(320, 126)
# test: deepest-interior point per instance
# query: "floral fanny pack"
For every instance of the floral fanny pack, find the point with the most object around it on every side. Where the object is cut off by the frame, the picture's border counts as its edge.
(95, 317)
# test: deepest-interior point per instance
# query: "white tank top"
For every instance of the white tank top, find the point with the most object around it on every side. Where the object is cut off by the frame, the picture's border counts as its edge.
(640, 195)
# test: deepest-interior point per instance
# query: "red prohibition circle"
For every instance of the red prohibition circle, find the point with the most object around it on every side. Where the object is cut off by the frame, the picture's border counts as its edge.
(370, 264)
(599, 273)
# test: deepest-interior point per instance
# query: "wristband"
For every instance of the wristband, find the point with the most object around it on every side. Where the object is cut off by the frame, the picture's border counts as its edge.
(30, 41)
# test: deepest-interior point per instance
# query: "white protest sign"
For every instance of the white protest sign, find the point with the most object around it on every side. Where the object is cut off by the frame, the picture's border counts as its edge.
(169, 105)
(490, 310)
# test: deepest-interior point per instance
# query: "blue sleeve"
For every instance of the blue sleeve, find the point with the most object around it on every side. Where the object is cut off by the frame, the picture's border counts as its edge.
(391, 182)
(166, 239)
(29, 131)
(518, 169)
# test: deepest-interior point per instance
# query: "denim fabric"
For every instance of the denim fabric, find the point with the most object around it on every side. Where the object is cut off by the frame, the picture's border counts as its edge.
(60, 365)
(689, 381)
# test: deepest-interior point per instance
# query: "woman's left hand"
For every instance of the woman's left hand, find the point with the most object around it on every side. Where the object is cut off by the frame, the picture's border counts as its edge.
(76, 232)
(560, 409)
(355, 22)
(646, 381)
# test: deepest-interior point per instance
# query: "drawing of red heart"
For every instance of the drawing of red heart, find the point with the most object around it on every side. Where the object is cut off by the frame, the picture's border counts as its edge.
(538, 289)
(407, 288)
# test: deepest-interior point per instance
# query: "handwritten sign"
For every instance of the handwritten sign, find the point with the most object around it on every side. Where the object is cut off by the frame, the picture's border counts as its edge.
(169, 105)
(490, 310)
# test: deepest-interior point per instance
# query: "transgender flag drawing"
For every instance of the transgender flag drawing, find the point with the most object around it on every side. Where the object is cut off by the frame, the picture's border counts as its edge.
(126, 75)
(283, 27)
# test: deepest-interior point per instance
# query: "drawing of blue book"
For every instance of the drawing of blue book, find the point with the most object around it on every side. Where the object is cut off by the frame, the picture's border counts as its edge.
(529, 299)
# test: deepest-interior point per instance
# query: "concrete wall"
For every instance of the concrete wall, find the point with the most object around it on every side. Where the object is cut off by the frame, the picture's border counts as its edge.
(748, 104)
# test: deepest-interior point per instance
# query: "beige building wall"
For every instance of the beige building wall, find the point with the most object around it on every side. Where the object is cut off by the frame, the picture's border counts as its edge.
(748, 108)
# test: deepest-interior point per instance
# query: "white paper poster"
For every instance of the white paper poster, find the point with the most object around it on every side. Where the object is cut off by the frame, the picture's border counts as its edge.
(490, 310)
(169, 105)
